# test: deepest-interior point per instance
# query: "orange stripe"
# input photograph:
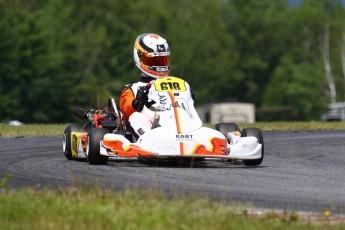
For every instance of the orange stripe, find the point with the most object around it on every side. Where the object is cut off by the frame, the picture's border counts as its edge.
(177, 121)
(182, 148)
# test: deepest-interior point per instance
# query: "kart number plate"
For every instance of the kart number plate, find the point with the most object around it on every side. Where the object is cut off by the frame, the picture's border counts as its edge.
(170, 84)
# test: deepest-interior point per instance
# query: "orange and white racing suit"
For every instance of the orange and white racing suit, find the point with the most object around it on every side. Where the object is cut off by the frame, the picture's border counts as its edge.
(138, 121)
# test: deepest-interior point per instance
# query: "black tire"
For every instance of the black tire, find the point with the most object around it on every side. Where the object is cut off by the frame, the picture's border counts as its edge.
(254, 132)
(94, 157)
(224, 128)
(66, 145)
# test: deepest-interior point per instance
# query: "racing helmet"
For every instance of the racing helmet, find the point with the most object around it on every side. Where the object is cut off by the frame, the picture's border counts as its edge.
(152, 55)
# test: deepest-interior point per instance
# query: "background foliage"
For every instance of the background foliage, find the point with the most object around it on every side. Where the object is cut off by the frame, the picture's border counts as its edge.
(56, 54)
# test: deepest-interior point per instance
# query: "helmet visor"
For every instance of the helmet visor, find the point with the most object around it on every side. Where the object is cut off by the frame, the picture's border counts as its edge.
(155, 61)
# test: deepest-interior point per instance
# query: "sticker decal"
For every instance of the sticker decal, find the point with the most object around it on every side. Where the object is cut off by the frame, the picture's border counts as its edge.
(184, 137)
(140, 131)
(161, 48)
(75, 141)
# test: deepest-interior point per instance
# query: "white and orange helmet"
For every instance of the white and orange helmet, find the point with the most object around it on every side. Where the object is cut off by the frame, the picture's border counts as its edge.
(152, 55)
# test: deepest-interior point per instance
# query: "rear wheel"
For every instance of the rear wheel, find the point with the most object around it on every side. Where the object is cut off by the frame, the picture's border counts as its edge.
(254, 132)
(94, 138)
(66, 145)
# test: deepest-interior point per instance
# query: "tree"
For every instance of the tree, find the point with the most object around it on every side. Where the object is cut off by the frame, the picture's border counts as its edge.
(296, 90)
(297, 74)
(56, 55)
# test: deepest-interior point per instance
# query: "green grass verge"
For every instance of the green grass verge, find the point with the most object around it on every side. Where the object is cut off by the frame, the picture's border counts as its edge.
(83, 208)
(32, 130)
(57, 129)
(310, 125)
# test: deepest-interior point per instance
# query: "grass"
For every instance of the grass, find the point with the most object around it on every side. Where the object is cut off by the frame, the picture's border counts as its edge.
(85, 208)
(32, 130)
(57, 129)
(310, 125)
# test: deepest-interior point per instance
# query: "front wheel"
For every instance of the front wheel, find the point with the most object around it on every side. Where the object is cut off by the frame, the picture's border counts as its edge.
(94, 138)
(66, 144)
(254, 132)
(225, 128)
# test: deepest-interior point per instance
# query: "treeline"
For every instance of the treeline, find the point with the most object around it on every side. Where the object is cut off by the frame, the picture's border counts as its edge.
(57, 54)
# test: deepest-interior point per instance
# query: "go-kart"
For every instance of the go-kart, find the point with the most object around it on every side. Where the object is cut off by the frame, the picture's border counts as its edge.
(176, 133)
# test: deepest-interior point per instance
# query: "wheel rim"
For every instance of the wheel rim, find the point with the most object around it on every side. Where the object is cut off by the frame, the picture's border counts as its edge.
(87, 146)
(64, 143)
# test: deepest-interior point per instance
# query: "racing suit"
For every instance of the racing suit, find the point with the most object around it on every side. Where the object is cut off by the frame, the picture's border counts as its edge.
(138, 118)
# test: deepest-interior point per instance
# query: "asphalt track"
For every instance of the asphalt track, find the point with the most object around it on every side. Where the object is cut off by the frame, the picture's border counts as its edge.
(301, 171)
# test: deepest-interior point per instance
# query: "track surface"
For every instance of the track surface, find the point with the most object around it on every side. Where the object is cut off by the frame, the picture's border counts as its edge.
(301, 171)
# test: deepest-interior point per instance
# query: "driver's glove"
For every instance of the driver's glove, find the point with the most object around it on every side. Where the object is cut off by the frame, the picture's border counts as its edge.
(140, 99)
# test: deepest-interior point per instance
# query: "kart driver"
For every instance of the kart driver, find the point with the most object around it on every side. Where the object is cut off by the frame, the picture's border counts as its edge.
(152, 57)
